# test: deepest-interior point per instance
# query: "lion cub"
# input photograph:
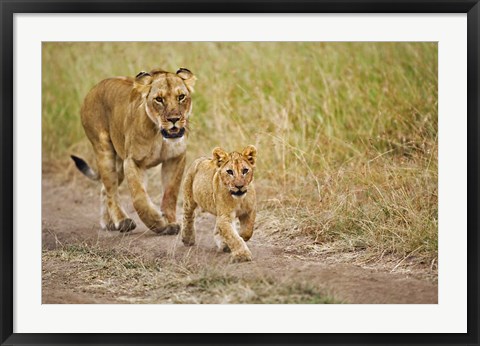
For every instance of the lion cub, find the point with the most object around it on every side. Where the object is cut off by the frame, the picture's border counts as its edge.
(223, 186)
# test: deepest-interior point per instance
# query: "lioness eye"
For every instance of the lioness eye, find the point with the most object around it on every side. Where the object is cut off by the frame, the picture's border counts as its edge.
(181, 97)
(229, 171)
(159, 99)
(245, 171)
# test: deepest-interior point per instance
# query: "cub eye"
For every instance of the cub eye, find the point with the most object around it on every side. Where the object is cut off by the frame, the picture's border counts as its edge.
(181, 97)
(245, 171)
(229, 171)
(159, 99)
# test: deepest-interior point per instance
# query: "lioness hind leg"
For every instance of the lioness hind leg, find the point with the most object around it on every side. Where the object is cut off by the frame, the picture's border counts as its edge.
(126, 224)
(105, 220)
(116, 218)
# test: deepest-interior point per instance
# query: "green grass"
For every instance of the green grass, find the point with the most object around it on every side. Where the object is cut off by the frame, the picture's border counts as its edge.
(346, 132)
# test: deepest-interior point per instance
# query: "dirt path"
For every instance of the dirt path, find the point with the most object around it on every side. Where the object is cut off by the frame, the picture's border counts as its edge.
(70, 221)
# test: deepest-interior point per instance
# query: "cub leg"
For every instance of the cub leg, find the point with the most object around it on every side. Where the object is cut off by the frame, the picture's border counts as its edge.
(189, 206)
(113, 217)
(172, 173)
(221, 245)
(219, 241)
(142, 203)
(247, 221)
(240, 251)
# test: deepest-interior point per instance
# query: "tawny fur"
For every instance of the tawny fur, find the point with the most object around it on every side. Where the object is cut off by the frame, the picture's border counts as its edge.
(135, 124)
(223, 186)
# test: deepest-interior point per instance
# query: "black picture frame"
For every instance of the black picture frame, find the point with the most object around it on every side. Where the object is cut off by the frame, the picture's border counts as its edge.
(9, 8)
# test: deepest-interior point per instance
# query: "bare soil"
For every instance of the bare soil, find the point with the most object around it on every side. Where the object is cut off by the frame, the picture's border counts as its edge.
(159, 269)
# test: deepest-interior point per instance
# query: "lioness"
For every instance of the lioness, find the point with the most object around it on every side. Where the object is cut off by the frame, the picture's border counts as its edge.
(223, 186)
(135, 124)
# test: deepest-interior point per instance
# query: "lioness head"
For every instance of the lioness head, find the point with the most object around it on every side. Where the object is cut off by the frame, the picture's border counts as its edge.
(167, 99)
(235, 169)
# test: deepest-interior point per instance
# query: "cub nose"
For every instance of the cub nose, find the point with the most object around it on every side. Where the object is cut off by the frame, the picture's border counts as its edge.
(173, 120)
(239, 186)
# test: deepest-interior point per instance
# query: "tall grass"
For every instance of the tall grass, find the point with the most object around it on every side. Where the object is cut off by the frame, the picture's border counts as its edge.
(346, 132)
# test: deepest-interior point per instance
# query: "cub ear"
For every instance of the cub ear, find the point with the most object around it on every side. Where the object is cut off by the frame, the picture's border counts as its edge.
(219, 155)
(250, 153)
(188, 78)
(142, 83)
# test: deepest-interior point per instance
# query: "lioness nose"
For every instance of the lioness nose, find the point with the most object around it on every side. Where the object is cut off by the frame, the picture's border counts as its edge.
(173, 120)
(239, 186)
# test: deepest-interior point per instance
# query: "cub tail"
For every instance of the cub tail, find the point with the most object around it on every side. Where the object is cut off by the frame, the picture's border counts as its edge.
(85, 168)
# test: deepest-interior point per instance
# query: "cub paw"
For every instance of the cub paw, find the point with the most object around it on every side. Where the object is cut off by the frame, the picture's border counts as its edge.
(241, 256)
(221, 246)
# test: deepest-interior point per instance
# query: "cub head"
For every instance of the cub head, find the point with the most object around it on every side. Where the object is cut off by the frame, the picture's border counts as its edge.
(167, 99)
(236, 169)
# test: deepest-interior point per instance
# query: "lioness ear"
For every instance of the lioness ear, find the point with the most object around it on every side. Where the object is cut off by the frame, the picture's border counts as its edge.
(219, 155)
(142, 83)
(188, 78)
(143, 78)
(250, 153)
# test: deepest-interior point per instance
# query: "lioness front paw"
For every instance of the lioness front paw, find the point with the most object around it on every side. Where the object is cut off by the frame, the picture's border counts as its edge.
(242, 256)
(170, 229)
(157, 226)
(126, 225)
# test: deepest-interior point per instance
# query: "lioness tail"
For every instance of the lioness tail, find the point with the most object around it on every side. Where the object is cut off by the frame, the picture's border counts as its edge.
(85, 168)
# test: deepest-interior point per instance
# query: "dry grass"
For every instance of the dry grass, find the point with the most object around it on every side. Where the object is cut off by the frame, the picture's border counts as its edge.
(99, 272)
(346, 132)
